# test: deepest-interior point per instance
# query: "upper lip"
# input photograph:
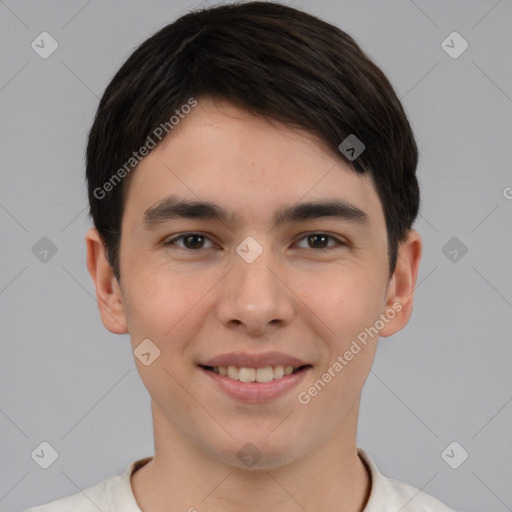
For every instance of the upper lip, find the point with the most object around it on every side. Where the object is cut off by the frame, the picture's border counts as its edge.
(246, 360)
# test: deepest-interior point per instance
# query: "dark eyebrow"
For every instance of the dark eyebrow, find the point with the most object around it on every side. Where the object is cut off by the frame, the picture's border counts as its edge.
(172, 207)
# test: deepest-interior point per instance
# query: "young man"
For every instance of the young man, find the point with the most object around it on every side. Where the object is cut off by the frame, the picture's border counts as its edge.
(252, 183)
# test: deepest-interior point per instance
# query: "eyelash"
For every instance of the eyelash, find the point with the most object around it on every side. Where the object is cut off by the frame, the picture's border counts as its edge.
(323, 249)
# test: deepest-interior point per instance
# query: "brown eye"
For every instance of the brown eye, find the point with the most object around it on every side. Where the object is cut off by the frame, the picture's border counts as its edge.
(191, 241)
(319, 241)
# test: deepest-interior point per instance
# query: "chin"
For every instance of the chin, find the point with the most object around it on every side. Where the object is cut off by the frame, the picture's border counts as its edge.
(258, 452)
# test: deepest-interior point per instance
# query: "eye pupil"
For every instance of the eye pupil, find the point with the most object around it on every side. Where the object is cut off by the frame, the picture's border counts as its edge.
(190, 237)
(324, 237)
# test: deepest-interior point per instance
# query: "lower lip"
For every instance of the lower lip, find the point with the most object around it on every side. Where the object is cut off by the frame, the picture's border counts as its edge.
(256, 392)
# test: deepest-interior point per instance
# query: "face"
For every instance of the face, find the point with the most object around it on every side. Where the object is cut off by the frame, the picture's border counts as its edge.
(242, 290)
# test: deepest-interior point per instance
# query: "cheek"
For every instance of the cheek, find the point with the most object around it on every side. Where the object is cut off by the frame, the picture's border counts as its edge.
(346, 301)
(158, 307)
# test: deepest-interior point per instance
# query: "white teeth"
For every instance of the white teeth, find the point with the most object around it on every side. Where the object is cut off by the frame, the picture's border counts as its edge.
(247, 375)
(266, 374)
(278, 372)
(232, 372)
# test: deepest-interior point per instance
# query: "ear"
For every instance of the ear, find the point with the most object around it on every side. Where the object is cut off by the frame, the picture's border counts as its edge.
(400, 294)
(108, 292)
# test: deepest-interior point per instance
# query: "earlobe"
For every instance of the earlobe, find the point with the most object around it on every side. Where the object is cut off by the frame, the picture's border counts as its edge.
(400, 295)
(108, 292)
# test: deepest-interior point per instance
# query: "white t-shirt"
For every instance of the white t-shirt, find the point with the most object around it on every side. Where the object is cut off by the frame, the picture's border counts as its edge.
(114, 494)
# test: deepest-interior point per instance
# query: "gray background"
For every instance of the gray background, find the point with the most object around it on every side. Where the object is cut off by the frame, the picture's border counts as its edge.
(64, 379)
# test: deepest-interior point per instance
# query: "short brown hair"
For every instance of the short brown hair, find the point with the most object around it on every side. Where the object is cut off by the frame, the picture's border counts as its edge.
(274, 61)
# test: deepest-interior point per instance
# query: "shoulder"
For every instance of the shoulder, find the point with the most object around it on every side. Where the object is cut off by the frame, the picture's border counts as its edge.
(414, 500)
(91, 499)
(113, 494)
(391, 494)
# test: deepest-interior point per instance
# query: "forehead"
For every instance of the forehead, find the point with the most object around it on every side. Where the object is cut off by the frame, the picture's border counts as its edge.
(251, 165)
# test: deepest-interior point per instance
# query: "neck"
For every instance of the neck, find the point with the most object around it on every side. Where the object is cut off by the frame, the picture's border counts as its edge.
(181, 477)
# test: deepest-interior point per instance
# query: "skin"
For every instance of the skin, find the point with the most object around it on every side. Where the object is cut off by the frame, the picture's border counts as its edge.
(198, 303)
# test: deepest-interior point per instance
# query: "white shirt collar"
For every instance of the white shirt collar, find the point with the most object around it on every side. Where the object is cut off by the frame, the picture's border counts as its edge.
(386, 493)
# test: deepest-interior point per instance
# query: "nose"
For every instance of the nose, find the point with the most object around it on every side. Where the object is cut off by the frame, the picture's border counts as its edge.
(256, 298)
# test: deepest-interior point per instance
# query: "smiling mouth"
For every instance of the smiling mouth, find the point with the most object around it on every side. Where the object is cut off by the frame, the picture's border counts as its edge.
(264, 374)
